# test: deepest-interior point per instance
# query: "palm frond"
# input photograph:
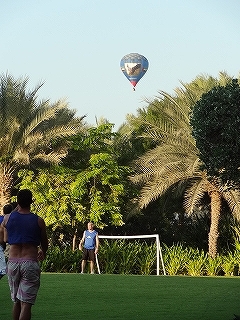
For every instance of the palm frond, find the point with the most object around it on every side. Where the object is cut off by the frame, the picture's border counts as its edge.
(166, 122)
(52, 157)
(232, 197)
(44, 113)
(194, 193)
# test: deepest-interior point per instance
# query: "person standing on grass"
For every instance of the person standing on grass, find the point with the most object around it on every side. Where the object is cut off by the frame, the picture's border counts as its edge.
(89, 246)
(26, 234)
(6, 210)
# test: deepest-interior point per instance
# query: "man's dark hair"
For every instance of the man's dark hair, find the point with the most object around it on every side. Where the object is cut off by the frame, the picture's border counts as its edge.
(8, 208)
(24, 198)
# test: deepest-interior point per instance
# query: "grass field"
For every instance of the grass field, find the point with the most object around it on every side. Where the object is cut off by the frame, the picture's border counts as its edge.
(125, 297)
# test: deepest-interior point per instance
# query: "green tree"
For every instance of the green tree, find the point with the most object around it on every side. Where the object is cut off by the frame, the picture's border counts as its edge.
(53, 201)
(102, 183)
(100, 188)
(32, 131)
(216, 125)
(67, 198)
(130, 141)
(174, 163)
(94, 140)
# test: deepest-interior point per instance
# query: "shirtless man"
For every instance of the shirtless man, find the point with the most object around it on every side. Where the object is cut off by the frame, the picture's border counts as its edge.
(26, 234)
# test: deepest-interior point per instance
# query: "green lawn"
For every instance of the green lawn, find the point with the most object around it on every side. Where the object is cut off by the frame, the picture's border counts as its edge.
(126, 297)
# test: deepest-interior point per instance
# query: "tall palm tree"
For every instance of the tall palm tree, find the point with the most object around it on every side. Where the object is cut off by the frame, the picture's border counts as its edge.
(174, 161)
(32, 131)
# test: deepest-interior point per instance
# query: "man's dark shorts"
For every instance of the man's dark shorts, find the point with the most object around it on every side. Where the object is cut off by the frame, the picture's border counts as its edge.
(88, 254)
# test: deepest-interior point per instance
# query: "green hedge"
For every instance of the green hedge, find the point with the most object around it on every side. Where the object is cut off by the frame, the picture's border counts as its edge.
(137, 257)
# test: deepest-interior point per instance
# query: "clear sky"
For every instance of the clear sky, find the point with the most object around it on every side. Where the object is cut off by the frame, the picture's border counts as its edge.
(75, 47)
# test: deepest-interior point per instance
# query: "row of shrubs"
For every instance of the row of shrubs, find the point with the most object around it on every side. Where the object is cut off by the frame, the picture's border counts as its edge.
(137, 257)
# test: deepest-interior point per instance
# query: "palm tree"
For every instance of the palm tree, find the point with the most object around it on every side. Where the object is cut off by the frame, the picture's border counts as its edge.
(32, 131)
(174, 161)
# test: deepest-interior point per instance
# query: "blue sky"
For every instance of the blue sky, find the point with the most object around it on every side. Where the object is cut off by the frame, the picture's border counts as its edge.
(75, 47)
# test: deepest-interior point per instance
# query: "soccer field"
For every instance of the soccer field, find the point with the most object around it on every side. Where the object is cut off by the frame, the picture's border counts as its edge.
(128, 297)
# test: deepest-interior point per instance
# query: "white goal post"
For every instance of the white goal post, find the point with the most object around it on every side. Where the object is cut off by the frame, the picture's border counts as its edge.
(145, 236)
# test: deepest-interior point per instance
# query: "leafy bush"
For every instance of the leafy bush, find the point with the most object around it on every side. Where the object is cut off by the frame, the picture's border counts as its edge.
(147, 259)
(127, 257)
(108, 256)
(121, 256)
(195, 264)
(59, 260)
(213, 266)
(229, 264)
(175, 259)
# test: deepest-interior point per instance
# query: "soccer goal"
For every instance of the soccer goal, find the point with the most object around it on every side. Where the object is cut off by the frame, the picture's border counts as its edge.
(148, 236)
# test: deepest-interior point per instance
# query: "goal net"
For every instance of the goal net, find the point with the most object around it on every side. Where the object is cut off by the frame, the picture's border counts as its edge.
(159, 257)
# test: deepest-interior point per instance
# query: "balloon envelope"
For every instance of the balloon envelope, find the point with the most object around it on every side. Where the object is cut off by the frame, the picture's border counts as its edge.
(134, 66)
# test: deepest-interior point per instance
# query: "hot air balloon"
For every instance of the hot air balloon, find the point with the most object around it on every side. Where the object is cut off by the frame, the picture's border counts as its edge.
(134, 66)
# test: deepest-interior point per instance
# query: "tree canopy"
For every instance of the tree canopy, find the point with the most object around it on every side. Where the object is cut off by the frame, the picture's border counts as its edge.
(173, 164)
(216, 125)
(67, 198)
(33, 131)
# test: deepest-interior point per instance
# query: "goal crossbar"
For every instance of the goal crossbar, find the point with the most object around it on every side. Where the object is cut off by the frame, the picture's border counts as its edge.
(144, 236)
